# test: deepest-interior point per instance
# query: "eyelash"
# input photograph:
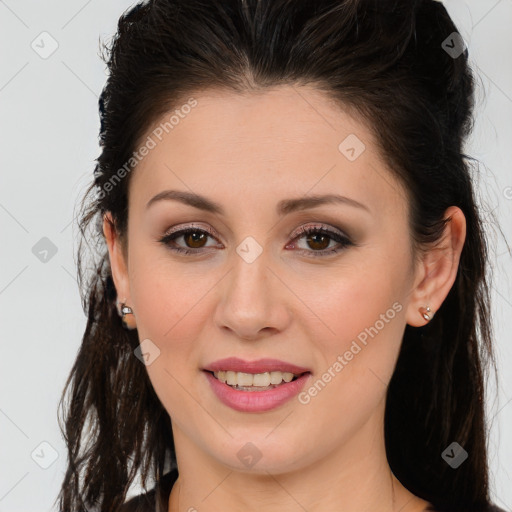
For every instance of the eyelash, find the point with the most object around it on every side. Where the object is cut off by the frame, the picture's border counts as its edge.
(303, 231)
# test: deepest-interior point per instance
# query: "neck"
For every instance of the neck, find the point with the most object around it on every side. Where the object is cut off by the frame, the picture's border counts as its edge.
(354, 478)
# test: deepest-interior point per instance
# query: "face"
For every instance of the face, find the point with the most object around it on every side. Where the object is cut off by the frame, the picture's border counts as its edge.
(253, 279)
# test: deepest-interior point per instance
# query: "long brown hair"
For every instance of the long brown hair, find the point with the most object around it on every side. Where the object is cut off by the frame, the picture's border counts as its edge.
(389, 62)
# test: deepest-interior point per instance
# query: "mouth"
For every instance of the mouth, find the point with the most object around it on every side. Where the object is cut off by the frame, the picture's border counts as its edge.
(264, 381)
(256, 392)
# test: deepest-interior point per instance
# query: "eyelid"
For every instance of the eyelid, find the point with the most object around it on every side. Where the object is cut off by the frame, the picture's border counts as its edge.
(320, 226)
(186, 227)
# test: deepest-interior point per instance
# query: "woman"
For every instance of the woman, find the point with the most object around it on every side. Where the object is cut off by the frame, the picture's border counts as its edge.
(289, 307)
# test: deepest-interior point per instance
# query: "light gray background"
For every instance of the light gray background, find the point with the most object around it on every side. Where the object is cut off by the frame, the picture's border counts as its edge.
(49, 125)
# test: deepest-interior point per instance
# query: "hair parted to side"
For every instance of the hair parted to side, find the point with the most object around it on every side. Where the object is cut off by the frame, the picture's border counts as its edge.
(383, 60)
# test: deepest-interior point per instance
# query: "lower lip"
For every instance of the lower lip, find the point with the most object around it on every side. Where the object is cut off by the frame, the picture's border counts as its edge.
(256, 401)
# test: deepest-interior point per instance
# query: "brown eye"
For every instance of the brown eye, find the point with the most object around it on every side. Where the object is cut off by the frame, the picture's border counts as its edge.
(195, 239)
(318, 241)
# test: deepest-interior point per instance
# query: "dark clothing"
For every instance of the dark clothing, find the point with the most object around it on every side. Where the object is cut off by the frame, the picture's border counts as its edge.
(157, 499)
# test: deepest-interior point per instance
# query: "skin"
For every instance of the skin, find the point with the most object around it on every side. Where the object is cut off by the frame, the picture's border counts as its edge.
(247, 153)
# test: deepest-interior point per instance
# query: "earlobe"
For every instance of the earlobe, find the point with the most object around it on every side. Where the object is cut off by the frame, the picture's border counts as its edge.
(439, 269)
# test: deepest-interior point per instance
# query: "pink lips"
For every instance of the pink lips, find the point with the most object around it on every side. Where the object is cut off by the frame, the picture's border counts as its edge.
(255, 401)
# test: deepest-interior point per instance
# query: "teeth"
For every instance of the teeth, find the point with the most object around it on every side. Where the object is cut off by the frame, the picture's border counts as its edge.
(249, 379)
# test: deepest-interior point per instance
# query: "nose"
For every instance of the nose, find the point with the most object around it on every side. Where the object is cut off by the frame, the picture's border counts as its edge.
(253, 300)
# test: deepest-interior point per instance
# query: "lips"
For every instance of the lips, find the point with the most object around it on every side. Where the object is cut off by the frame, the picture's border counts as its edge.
(235, 364)
(255, 401)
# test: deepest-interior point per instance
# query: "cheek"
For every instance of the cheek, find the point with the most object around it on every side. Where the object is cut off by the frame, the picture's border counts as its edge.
(167, 295)
(168, 309)
(350, 300)
(362, 322)
(171, 304)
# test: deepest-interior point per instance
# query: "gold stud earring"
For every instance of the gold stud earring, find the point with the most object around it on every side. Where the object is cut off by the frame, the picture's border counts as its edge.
(127, 316)
(426, 313)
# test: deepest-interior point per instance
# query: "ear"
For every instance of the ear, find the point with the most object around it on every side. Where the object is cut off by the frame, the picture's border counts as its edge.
(117, 259)
(438, 269)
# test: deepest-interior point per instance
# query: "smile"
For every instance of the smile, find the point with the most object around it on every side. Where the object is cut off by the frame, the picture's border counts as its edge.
(259, 392)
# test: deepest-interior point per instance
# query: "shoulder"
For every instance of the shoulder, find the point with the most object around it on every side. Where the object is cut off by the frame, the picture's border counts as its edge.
(154, 500)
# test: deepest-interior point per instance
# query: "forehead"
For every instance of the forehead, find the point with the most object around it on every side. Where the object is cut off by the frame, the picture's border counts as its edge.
(285, 114)
(287, 138)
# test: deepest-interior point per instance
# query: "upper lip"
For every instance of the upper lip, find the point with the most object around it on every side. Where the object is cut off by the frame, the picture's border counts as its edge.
(235, 364)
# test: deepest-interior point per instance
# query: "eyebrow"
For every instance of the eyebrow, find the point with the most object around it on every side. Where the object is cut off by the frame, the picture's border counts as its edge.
(284, 207)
